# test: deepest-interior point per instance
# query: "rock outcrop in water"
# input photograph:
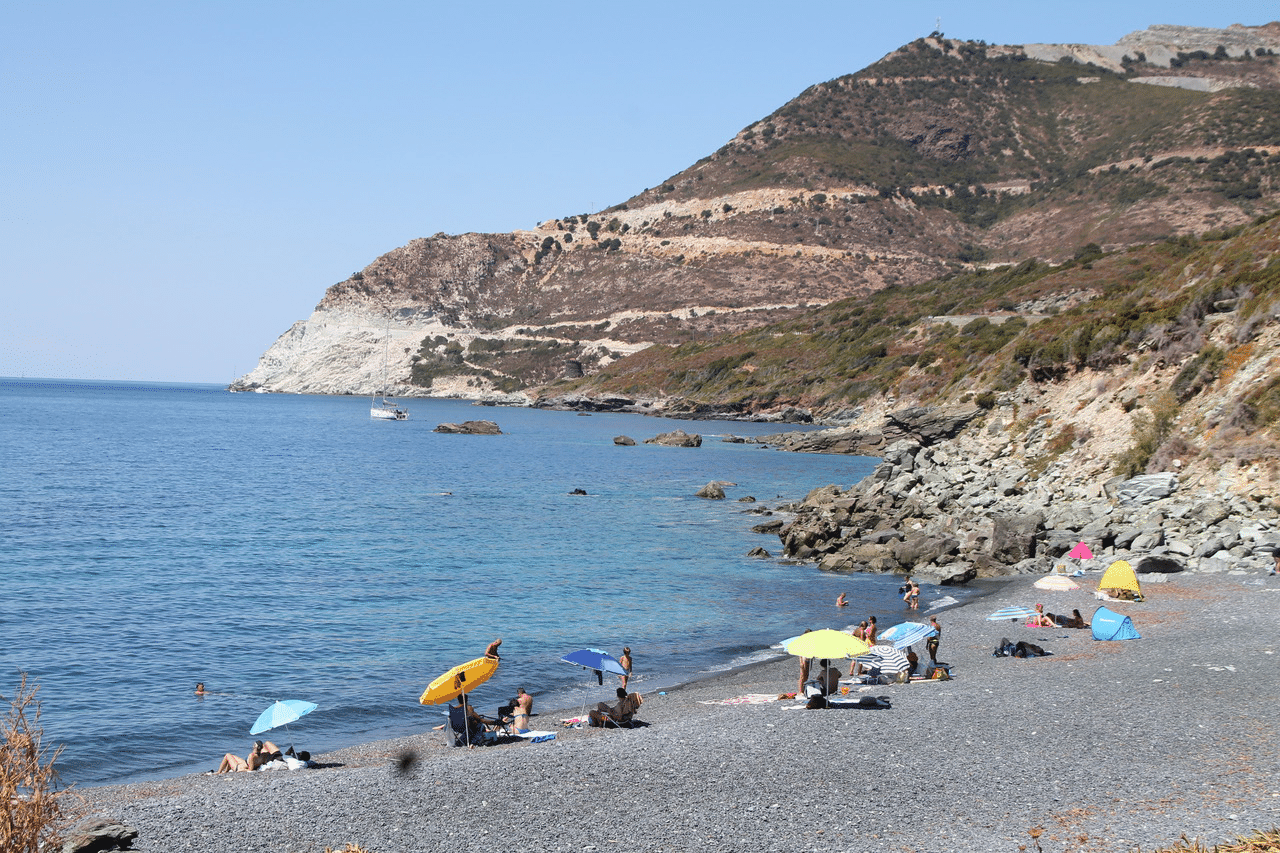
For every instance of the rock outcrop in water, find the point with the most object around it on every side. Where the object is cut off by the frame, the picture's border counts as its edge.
(470, 428)
(676, 438)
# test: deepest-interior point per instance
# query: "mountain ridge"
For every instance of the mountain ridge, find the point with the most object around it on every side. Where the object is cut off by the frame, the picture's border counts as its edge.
(909, 188)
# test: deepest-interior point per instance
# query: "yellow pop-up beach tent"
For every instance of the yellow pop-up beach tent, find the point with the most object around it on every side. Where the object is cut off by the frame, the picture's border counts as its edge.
(1120, 575)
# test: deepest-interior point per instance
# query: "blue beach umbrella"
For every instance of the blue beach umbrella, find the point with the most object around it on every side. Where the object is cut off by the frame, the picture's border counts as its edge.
(1012, 613)
(906, 634)
(596, 659)
(281, 713)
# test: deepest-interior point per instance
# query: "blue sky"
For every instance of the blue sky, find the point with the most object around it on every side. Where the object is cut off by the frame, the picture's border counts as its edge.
(182, 181)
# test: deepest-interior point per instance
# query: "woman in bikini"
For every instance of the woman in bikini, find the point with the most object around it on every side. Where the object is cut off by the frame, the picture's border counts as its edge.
(520, 714)
(931, 644)
(261, 753)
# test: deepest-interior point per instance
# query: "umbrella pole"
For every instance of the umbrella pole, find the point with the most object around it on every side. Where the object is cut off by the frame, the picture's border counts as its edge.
(466, 723)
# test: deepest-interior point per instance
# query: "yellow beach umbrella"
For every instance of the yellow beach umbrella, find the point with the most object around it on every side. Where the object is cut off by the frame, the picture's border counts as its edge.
(826, 643)
(463, 678)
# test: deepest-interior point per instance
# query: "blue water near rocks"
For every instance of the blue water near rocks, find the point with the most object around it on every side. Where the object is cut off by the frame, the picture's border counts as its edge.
(289, 547)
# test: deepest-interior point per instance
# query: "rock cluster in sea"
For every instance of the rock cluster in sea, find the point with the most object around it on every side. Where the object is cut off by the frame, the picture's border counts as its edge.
(942, 514)
(470, 428)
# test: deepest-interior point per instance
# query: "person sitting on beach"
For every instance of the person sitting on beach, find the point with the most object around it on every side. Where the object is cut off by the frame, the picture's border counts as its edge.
(262, 752)
(521, 709)
(475, 724)
(1041, 620)
(861, 631)
(1076, 620)
(827, 680)
(913, 661)
(604, 715)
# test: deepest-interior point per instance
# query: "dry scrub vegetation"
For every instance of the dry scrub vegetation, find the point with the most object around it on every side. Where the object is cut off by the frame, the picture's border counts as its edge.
(30, 801)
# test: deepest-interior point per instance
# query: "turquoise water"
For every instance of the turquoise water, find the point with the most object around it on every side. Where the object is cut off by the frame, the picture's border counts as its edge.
(279, 547)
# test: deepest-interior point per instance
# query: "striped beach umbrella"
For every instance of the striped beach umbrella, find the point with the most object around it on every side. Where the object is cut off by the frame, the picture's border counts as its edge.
(907, 634)
(886, 658)
(1011, 613)
(1060, 583)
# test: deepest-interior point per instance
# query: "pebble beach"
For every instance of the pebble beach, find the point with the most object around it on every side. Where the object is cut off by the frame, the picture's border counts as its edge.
(1099, 746)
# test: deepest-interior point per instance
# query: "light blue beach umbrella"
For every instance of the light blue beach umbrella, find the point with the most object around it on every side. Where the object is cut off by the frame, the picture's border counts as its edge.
(281, 713)
(1012, 613)
(907, 634)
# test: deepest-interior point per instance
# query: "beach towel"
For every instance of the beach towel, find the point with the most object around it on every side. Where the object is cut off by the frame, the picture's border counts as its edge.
(747, 699)
(863, 703)
(537, 737)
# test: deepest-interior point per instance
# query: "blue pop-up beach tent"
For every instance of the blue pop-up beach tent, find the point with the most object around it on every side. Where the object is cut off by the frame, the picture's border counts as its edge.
(1109, 625)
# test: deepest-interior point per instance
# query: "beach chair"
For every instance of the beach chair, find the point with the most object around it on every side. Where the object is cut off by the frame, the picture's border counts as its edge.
(456, 732)
(621, 716)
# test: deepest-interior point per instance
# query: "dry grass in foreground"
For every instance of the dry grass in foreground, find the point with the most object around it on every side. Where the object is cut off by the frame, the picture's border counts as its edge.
(30, 804)
(1258, 842)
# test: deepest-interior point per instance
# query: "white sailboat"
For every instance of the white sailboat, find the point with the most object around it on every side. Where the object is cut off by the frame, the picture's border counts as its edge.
(384, 409)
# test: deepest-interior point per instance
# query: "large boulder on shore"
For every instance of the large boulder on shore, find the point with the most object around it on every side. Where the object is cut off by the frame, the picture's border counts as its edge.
(920, 548)
(97, 835)
(676, 438)
(470, 428)
(928, 424)
(1013, 537)
(1143, 489)
(1164, 564)
(806, 537)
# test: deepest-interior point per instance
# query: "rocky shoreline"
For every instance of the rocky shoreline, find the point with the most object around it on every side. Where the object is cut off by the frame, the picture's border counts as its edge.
(950, 501)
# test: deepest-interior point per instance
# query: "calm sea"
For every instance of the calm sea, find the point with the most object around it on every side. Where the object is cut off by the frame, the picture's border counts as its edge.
(289, 547)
